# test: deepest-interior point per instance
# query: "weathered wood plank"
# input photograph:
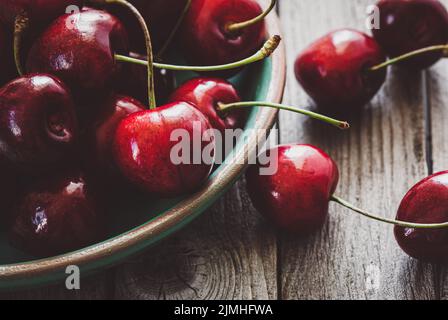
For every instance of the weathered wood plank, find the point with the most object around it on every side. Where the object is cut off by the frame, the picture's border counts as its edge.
(437, 83)
(379, 159)
(226, 254)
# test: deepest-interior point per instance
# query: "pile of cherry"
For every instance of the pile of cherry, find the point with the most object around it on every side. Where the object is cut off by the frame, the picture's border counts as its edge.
(75, 133)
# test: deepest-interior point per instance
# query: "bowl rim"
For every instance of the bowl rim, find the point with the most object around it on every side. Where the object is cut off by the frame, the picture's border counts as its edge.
(181, 213)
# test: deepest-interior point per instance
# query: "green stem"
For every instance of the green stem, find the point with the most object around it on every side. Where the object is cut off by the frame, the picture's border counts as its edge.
(409, 55)
(269, 47)
(175, 29)
(399, 223)
(150, 63)
(317, 116)
(21, 25)
(237, 26)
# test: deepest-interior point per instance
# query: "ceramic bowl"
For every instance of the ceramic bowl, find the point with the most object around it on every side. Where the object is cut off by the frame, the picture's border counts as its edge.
(151, 222)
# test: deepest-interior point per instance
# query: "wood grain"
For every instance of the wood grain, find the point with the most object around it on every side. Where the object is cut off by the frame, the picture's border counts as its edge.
(379, 159)
(226, 254)
(437, 89)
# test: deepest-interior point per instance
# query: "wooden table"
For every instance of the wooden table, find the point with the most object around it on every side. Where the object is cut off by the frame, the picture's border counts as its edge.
(231, 253)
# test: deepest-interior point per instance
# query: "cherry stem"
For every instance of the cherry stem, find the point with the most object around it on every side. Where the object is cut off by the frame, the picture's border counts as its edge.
(21, 24)
(150, 63)
(227, 107)
(409, 55)
(268, 49)
(237, 26)
(398, 223)
(175, 30)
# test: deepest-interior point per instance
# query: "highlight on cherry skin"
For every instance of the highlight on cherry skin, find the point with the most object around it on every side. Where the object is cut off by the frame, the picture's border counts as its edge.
(295, 198)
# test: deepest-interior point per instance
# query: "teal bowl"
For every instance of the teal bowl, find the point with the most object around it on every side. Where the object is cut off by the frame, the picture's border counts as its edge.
(146, 221)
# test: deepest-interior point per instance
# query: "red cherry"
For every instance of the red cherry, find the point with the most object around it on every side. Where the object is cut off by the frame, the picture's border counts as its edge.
(143, 149)
(295, 197)
(56, 216)
(409, 25)
(334, 70)
(79, 48)
(38, 11)
(426, 202)
(38, 125)
(205, 94)
(205, 40)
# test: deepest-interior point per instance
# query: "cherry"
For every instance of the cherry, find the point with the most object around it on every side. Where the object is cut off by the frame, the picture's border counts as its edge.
(334, 70)
(135, 83)
(426, 202)
(294, 197)
(144, 146)
(206, 94)
(409, 25)
(209, 35)
(79, 48)
(102, 132)
(38, 125)
(57, 215)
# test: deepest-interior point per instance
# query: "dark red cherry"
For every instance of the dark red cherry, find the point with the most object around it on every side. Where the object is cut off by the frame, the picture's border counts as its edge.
(39, 11)
(334, 70)
(149, 153)
(101, 135)
(38, 125)
(295, 189)
(426, 202)
(409, 25)
(58, 215)
(205, 39)
(79, 48)
(205, 94)
(134, 83)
